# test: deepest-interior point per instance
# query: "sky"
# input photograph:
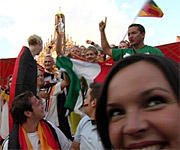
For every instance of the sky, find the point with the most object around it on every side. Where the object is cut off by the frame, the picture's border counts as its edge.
(21, 18)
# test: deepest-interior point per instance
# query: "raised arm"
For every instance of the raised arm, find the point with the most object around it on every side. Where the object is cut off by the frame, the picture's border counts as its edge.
(58, 42)
(65, 82)
(94, 44)
(104, 43)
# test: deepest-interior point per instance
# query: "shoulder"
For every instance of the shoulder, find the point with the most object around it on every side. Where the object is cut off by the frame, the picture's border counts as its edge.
(119, 53)
(64, 142)
(82, 128)
(83, 122)
(84, 119)
(150, 47)
(153, 50)
(58, 131)
(5, 144)
(25, 55)
(51, 124)
(25, 51)
(121, 50)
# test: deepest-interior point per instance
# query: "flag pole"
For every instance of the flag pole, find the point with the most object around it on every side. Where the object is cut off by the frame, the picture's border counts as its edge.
(136, 17)
(127, 31)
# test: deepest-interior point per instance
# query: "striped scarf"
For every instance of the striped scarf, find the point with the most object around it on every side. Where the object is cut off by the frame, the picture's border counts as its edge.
(47, 136)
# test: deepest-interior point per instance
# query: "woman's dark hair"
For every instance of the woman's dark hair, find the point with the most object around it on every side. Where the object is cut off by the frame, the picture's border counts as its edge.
(20, 104)
(170, 69)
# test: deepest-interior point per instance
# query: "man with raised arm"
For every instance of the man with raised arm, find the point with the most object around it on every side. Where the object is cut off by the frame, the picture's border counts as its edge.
(90, 70)
(136, 35)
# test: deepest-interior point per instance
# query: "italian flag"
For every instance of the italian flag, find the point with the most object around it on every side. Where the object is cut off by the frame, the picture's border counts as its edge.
(77, 69)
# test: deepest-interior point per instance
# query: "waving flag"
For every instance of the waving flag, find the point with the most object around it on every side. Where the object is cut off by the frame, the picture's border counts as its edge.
(150, 10)
(78, 69)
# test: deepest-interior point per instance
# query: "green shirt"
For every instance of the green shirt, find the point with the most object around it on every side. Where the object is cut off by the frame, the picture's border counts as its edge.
(122, 53)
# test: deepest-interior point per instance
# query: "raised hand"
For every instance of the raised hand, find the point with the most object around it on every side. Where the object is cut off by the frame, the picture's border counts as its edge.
(102, 24)
(56, 29)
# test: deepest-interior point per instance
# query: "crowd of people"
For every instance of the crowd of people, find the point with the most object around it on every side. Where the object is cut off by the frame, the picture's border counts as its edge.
(127, 108)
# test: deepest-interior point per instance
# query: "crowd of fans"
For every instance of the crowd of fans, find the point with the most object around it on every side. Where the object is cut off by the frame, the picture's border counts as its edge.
(129, 109)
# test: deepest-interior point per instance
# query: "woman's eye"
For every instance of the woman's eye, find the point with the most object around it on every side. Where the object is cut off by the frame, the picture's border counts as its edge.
(116, 112)
(155, 101)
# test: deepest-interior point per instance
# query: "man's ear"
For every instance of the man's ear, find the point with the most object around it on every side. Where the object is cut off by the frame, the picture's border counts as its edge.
(143, 34)
(94, 102)
(27, 113)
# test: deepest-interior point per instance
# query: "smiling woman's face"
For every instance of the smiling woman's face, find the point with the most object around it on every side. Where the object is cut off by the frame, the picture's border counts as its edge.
(143, 109)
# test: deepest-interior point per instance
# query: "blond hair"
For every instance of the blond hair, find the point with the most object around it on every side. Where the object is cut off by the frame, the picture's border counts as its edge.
(92, 48)
(34, 39)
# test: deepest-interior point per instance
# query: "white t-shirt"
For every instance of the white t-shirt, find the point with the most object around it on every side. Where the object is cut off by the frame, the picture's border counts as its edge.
(34, 139)
(87, 136)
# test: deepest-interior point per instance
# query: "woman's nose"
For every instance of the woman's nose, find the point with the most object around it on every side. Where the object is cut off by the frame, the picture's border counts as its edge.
(135, 124)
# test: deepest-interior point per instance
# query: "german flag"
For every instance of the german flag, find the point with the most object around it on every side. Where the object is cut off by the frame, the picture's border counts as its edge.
(24, 77)
(150, 10)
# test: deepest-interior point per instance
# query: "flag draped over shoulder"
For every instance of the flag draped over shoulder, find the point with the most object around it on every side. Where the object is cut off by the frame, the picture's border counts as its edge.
(48, 138)
(78, 69)
(150, 10)
(24, 77)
